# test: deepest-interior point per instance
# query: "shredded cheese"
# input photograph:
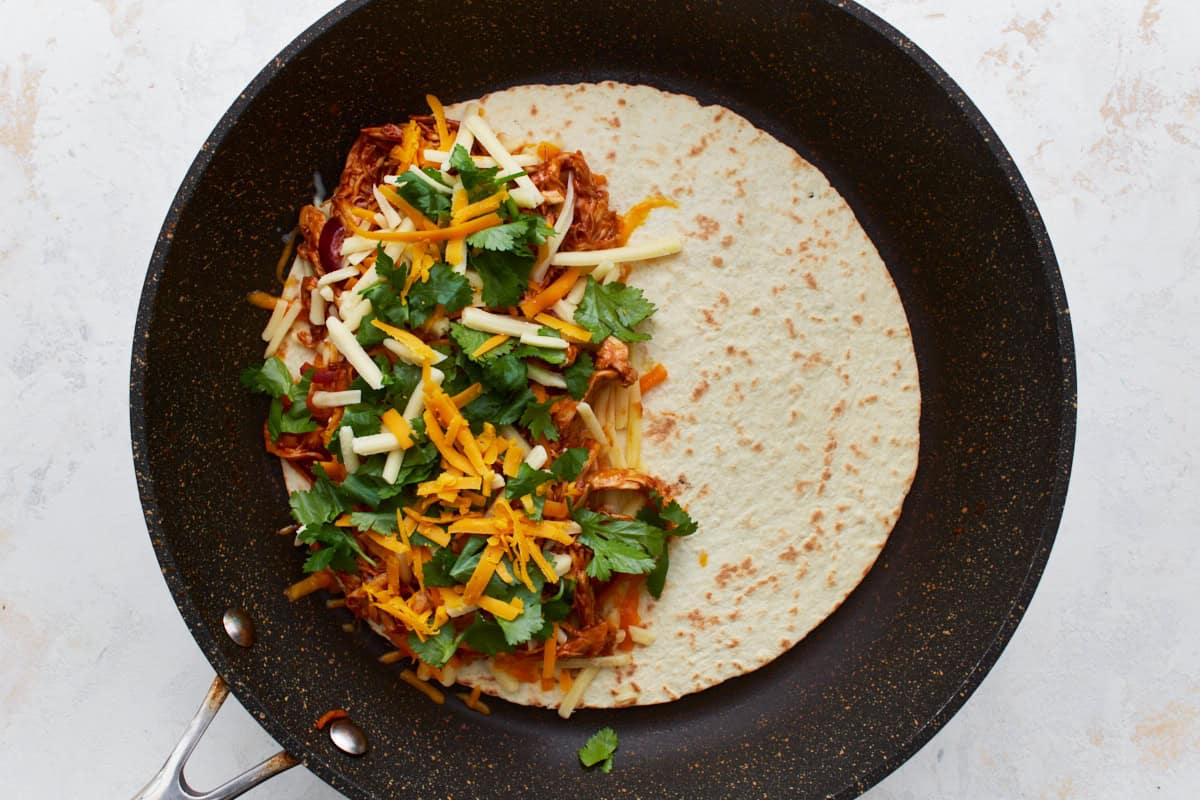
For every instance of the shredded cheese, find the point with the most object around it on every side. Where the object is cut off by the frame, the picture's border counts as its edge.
(316, 308)
(334, 399)
(496, 323)
(346, 442)
(591, 423)
(416, 402)
(354, 317)
(521, 160)
(501, 609)
(568, 330)
(398, 426)
(491, 344)
(549, 342)
(281, 308)
(642, 636)
(384, 442)
(561, 225)
(432, 692)
(343, 339)
(537, 457)
(617, 660)
(551, 294)
(575, 694)
(632, 252)
(479, 207)
(285, 325)
(545, 377)
(526, 194)
(327, 293)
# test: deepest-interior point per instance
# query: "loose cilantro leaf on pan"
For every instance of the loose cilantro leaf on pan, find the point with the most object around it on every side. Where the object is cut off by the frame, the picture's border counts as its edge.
(570, 463)
(272, 378)
(527, 623)
(423, 197)
(471, 340)
(618, 545)
(341, 545)
(445, 287)
(613, 309)
(599, 750)
(537, 419)
(578, 375)
(436, 650)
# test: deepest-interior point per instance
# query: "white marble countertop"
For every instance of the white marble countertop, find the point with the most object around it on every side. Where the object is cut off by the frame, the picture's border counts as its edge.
(104, 104)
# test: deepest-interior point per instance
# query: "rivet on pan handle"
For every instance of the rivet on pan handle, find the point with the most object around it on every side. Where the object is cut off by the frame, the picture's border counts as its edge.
(169, 783)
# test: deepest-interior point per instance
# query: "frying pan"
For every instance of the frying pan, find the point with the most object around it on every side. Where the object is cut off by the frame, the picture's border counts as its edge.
(936, 192)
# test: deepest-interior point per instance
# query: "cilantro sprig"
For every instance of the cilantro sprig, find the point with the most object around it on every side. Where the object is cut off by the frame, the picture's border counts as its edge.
(274, 380)
(599, 749)
(613, 309)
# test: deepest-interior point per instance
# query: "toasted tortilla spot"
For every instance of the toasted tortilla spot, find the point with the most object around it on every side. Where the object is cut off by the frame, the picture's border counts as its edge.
(790, 554)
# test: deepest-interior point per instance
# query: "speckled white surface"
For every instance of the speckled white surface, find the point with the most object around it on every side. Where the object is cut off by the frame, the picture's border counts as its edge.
(104, 104)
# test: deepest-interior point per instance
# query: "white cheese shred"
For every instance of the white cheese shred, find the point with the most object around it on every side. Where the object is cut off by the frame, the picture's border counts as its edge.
(545, 377)
(334, 399)
(488, 322)
(316, 308)
(353, 352)
(376, 443)
(285, 325)
(589, 420)
(281, 307)
(549, 342)
(571, 699)
(537, 457)
(619, 255)
(526, 194)
(391, 467)
(346, 442)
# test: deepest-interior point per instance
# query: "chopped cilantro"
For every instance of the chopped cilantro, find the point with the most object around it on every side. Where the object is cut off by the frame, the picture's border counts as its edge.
(537, 419)
(478, 181)
(486, 636)
(426, 199)
(505, 275)
(613, 309)
(570, 463)
(445, 287)
(274, 380)
(471, 340)
(379, 521)
(436, 571)
(520, 235)
(435, 650)
(527, 623)
(527, 481)
(618, 545)
(339, 548)
(578, 375)
(599, 750)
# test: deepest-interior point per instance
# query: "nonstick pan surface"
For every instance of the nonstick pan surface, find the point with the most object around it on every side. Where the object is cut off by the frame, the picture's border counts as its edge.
(934, 189)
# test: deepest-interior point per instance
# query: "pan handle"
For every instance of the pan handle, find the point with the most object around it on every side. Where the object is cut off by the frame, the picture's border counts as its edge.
(169, 783)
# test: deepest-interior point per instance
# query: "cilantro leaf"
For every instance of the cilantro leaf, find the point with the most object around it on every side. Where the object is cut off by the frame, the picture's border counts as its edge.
(341, 544)
(467, 560)
(537, 419)
(599, 749)
(505, 275)
(478, 181)
(526, 482)
(578, 375)
(521, 235)
(320, 504)
(272, 378)
(673, 521)
(423, 197)
(435, 650)
(527, 623)
(499, 408)
(506, 374)
(486, 636)
(570, 463)
(618, 545)
(445, 287)
(548, 354)
(613, 309)
(656, 579)
(471, 340)
(379, 521)
(436, 571)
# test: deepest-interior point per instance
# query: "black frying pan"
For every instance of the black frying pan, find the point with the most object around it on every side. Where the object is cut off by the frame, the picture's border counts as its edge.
(937, 193)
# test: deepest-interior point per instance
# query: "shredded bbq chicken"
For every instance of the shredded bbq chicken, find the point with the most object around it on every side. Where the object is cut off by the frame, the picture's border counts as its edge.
(595, 225)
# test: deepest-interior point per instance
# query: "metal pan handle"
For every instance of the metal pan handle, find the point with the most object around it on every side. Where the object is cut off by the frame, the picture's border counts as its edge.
(169, 783)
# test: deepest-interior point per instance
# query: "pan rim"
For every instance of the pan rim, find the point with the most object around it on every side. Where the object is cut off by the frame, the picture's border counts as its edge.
(320, 762)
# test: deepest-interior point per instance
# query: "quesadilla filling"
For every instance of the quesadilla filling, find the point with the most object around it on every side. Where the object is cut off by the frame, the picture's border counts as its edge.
(456, 395)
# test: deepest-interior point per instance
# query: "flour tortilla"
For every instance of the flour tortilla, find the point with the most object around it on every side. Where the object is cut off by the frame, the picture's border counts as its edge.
(789, 423)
